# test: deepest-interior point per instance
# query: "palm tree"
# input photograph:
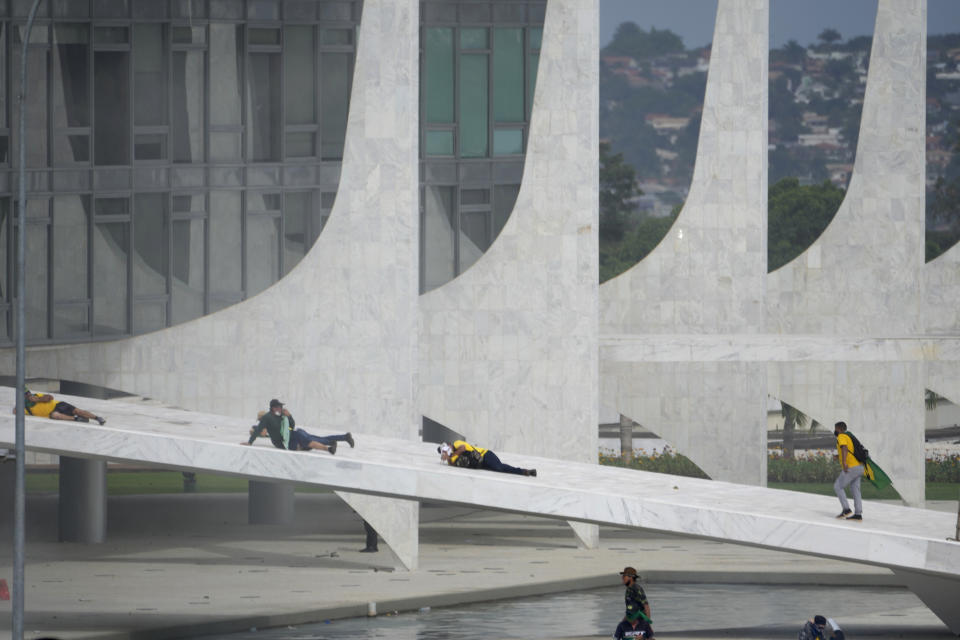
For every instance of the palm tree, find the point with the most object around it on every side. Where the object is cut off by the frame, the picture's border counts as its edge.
(792, 418)
(931, 399)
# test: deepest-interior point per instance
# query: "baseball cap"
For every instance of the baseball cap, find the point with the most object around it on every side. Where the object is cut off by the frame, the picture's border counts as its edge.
(629, 571)
(275, 403)
(819, 620)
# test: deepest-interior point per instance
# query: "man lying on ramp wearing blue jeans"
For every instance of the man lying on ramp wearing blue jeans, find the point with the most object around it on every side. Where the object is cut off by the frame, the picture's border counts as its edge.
(280, 426)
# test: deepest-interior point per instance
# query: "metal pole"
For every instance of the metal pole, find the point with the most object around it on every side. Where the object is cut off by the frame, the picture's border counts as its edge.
(19, 506)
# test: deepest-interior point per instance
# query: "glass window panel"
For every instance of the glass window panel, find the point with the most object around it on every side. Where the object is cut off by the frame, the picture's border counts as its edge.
(71, 320)
(474, 113)
(111, 247)
(189, 203)
(507, 142)
(225, 58)
(327, 199)
(187, 288)
(260, 202)
(149, 95)
(225, 147)
(263, 10)
(296, 232)
(111, 96)
(39, 34)
(301, 145)
(263, 252)
(226, 241)
(35, 264)
(147, 9)
(264, 116)
(71, 149)
(188, 35)
(3, 79)
(508, 89)
(438, 85)
(70, 9)
(111, 35)
(71, 215)
(513, 12)
(504, 197)
(439, 143)
(473, 38)
(37, 208)
(338, 36)
(299, 74)
(475, 12)
(475, 196)
(337, 70)
(538, 12)
(188, 8)
(149, 316)
(299, 10)
(4, 149)
(532, 80)
(336, 11)
(474, 237)
(150, 238)
(536, 37)
(71, 77)
(112, 206)
(263, 36)
(439, 12)
(150, 146)
(110, 8)
(187, 106)
(438, 224)
(228, 9)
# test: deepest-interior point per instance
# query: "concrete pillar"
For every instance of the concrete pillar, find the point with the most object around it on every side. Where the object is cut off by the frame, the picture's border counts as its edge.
(626, 438)
(83, 500)
(939, 592)
(8, 477)
(269, 502)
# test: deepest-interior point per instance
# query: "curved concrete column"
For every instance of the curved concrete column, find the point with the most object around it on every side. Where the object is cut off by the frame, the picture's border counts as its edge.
(863, 275)
(707, 276)
(336, 338)
(508, 350)
(941, 290)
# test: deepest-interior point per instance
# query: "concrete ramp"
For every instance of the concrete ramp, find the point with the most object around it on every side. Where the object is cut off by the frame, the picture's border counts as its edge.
(907, 540)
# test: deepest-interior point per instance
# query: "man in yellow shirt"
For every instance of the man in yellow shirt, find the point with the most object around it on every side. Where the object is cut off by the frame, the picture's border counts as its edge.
(44, 405)
(850, 474)
(464, 454)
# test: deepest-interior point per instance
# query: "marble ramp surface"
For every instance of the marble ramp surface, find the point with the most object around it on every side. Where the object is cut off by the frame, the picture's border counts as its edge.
(891, 536)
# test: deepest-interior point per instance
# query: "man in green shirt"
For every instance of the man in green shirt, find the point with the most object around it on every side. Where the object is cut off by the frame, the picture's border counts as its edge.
(278, 424)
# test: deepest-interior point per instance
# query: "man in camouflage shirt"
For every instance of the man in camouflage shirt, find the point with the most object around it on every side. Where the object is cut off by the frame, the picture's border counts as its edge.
(634, 597)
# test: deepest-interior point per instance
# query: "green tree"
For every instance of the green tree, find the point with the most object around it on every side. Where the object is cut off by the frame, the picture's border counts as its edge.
(630, 40)
(618, 186)
(797, 215)
(829, 36)
(792, 418)
(636, 244)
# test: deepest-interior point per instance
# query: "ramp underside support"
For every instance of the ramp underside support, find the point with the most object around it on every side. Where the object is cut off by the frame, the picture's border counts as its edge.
(940, 594)
(396, 520)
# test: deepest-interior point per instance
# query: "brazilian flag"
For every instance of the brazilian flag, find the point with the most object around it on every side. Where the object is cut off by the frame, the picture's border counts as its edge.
(876, 475)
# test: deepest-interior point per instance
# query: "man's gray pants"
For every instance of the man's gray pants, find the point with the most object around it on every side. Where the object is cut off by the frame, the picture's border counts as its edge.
(850, 478)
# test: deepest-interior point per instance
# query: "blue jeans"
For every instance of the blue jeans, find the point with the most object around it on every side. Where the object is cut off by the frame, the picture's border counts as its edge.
(492, 463)
(300, 440)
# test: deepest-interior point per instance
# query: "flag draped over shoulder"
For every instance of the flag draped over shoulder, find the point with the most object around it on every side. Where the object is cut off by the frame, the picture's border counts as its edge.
(876, 475)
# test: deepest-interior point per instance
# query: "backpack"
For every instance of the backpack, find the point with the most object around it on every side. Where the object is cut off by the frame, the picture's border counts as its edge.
(859, 451)
(469, 460)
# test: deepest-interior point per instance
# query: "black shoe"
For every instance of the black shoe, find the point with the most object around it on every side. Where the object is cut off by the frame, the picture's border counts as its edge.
(332, 448)
(369, 550)
(844, 514)
(350, 439)
(102, 421)
(80, 419)
(530, 472)
(855, 516)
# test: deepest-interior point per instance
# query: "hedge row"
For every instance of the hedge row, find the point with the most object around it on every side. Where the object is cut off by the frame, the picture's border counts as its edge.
(819, 467)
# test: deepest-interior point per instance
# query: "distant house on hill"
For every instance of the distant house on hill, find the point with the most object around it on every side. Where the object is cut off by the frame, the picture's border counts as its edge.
(664, 122)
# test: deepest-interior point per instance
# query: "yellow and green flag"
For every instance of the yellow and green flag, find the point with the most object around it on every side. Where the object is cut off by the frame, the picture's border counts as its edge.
(876, 475)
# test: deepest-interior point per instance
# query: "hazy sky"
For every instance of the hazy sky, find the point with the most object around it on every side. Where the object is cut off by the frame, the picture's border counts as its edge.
(800, 20)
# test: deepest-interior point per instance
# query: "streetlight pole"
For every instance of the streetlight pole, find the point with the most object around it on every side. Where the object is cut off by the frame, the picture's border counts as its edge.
(19, 506)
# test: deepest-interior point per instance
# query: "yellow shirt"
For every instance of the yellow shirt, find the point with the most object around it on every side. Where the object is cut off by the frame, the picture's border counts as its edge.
(467, 447)
(844, 440)
(42, 409)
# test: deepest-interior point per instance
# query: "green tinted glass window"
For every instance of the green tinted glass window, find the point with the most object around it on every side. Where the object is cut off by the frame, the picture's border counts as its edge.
(507, 142)
(473, 39)
(532, 80)
(438, 84)
(439, 143)
(508, 91)
(536, 36)
(474, 110)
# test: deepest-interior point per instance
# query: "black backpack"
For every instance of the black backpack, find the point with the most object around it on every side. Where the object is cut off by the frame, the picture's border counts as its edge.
(469, 460)
(859, 451)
